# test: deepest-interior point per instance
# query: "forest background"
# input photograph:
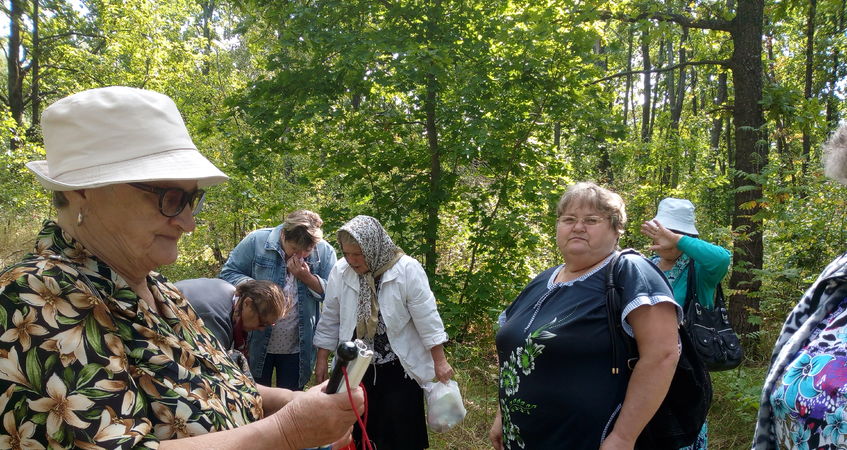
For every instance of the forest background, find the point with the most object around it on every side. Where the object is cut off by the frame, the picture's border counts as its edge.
(459, 123)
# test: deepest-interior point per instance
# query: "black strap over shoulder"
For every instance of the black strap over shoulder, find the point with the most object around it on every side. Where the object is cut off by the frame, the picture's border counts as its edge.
(692, 301)
(613, 313)
(683, 411)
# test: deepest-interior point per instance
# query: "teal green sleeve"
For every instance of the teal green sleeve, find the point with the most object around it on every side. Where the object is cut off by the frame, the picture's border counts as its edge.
(711, 263)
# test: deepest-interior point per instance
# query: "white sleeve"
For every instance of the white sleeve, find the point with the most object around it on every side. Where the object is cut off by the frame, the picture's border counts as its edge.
(326, 333)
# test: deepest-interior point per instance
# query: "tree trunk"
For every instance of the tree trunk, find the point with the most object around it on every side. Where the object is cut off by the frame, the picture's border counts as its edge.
(807, 85)
(35, 70)
(694, 105)
(435, 187)
(557, 135)
(628, 91)
(750, 158)
(834, 76)
(15, 72)
(645, 107)
(656, 89)
(671, 82)
(208, 14)
(676, 106)
(717, 122)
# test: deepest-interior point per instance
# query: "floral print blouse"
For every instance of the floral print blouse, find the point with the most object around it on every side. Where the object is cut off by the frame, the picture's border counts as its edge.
(555, 353)
(84, 362)
(810, 400)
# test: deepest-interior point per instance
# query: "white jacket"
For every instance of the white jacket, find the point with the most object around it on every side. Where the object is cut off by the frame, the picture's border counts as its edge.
(407, 306)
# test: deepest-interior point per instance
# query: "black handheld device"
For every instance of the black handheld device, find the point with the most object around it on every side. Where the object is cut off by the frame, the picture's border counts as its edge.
(346, 352)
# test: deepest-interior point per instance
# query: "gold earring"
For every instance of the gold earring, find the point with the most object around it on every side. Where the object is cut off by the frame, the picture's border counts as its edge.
(79, 218)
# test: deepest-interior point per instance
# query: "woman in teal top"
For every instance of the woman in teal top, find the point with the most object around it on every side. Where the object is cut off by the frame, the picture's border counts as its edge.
(676, 243)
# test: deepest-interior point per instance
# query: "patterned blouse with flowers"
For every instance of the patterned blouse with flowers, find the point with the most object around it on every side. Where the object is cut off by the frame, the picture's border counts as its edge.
(84, 362)
(809, 401)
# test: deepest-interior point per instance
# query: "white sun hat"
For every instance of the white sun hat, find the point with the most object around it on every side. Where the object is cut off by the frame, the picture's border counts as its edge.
(677, 214)
(116, 135)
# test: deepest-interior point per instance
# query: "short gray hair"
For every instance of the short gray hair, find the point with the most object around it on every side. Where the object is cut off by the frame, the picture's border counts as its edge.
(835, 155)
(597, 197)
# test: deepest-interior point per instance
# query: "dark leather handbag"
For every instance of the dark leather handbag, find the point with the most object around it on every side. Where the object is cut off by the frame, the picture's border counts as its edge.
(714, 339)
(683, 411)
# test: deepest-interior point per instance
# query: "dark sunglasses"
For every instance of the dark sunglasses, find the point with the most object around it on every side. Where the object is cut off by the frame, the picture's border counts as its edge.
(173, 200)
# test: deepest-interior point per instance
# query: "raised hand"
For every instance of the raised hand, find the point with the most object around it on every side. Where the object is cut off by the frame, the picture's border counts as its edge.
(663, 238)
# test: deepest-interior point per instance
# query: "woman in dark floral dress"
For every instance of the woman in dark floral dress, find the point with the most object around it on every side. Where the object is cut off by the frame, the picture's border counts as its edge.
(557, 389)
(99, 351)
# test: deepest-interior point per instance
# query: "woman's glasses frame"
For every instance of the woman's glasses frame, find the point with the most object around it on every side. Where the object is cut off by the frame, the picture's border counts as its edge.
(588, 221)
(167, 207)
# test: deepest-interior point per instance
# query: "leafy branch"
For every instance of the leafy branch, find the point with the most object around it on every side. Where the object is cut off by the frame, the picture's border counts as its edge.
(703, 24)
(720, 62)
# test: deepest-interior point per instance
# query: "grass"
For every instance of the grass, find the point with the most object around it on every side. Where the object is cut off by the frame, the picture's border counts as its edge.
(475, 368)
(17, 237)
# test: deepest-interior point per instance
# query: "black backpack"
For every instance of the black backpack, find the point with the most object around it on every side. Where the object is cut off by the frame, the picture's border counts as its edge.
(683, 412)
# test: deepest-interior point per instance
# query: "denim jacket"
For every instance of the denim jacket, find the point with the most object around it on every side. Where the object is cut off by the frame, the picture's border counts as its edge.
(260, 256)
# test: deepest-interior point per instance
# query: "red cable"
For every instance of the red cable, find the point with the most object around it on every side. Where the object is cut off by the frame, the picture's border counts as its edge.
(366, 442)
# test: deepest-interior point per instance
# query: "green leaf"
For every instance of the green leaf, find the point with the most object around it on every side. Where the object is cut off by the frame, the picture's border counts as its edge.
(33, 369)
(69, 375)
(52, 360)
(66, 320)
(87, 373)
(93, 334)
(124, 330)
(60, 435)
(92, 414)
(140, 402)
(93, 393)
(39, 418)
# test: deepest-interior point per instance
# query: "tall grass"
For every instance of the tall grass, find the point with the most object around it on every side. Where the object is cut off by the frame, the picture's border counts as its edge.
(17, 237)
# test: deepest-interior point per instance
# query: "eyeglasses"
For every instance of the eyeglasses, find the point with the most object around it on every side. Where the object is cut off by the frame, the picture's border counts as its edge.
(588, 221)
(173, 200)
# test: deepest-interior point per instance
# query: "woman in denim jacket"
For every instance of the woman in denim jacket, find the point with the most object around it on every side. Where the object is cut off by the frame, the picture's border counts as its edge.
(295, 256)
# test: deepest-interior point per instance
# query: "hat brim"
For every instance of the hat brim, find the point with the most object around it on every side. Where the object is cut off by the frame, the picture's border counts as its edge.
(180, 164)
(676, 226)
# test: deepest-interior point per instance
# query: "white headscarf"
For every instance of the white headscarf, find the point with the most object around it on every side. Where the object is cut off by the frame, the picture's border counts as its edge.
(380, 254)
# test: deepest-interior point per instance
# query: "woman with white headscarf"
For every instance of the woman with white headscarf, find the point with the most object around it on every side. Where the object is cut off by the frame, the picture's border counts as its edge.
(378, 294)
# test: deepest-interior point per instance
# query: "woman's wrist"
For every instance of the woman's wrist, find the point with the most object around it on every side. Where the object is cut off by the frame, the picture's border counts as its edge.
(286, 430)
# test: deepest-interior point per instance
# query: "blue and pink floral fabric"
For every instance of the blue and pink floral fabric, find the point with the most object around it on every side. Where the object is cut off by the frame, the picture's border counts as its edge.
(810, 397)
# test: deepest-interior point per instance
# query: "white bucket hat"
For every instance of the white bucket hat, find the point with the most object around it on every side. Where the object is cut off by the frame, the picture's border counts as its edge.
(677, 214)
(116, 135)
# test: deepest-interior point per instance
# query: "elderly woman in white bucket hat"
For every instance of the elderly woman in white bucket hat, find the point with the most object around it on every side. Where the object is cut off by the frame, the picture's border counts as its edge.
(100, 351)
(678, 249)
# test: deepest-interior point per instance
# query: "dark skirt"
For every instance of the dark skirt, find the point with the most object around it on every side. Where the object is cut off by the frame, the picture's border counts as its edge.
(396, 419)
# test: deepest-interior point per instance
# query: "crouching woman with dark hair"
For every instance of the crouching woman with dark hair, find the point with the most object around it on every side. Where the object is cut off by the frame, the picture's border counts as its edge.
(231, 312)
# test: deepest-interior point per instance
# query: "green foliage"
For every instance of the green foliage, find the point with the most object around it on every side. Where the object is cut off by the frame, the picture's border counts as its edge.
(491, 78)
(358, 107)
(732, 417)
